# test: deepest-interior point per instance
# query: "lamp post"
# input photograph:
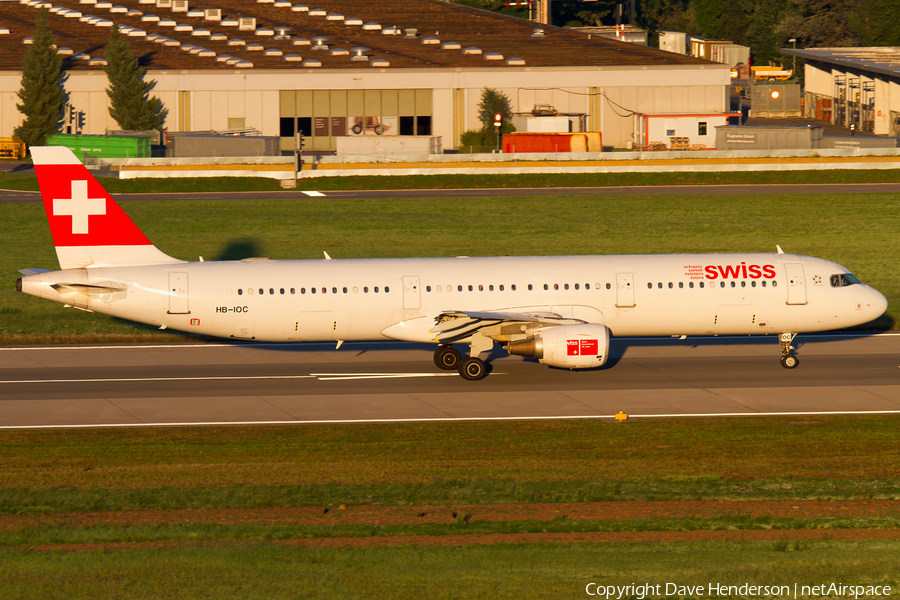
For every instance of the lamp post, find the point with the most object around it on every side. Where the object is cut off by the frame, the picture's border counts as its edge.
(794, 71)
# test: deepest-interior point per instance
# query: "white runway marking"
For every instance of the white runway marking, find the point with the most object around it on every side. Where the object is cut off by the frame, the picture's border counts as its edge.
(453, 419)
(345, 376)
(313, 193)
(120, 380)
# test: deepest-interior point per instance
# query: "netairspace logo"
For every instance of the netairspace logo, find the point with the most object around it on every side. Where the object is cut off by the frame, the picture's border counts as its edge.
(747, 590)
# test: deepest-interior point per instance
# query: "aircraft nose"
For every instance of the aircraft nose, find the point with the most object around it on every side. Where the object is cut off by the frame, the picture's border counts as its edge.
(877, 304)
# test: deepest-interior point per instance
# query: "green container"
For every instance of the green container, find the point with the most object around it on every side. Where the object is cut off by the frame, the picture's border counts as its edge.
(102, 146)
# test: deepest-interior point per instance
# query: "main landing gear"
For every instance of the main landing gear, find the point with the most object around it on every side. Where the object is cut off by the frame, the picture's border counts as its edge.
(472, 368)
(788, 360)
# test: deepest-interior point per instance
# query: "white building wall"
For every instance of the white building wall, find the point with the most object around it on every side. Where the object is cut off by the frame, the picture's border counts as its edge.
(216, 96)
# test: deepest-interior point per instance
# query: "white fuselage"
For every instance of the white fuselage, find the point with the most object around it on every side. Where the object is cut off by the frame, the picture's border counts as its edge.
(318, 300)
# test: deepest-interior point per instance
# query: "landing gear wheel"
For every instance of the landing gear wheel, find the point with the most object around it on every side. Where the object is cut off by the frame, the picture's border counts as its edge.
(789, 361)
(447, 358)
(473, 369)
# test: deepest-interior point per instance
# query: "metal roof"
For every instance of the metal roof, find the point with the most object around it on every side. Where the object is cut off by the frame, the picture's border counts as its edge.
(348, 24)
(884, 60)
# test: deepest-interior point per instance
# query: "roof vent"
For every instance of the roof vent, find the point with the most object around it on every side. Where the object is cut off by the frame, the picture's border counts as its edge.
(64, 51)
(166, 22)
(195, 13)
(255, 47)
(318, 43)
(243, 64)
(359, 51)
(171, 42)
(247, 23)
(391, 30)
(380, 62)
(410, 34)
(131, 13)
(150, 19)
(293, 57)
(493, 56)
(472, 50)
(187, 47)
(371, 27)
(317, 12)
(282, 31)
(265, 1)
(334, 17)
(282, 4)
(273, 52)
(146, 1)
(218, 37)
(184, 27)
(97, 62)
(200, 32)
(223, 57)
(212, 14)
(95, 1)
(233, 61)
(264, 31)
(103, 23)
(118, 8)
(162, 3)
(515, 62)
(137, 33)
(353, 22)
(339, 52)
(179, 5)
(300, 8)
(236, 42)
(310, 63)
(79, 56)
(450, 46)
(537, 33)
(301, 42)
(108, 5)
(431, 41)
(204, 53)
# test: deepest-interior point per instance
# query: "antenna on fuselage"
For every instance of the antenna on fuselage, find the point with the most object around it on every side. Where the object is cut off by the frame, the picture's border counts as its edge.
(780, 251)
(326, 255)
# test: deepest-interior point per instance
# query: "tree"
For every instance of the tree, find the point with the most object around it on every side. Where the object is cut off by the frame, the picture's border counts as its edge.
(42, 94)
(493, 102)
(130, 103)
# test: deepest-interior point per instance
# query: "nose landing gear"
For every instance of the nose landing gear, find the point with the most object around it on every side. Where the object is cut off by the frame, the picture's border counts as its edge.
(788, 360)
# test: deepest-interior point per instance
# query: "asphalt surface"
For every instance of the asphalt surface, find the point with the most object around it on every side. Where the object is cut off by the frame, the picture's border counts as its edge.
(14, 196)
(138, 385)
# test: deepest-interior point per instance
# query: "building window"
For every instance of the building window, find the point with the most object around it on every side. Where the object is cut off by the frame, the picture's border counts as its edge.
(701, 128)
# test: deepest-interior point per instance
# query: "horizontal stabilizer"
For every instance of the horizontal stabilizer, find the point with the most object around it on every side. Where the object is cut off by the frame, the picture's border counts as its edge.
(28, 272)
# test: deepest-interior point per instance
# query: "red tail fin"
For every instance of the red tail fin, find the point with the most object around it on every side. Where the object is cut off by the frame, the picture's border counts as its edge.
(88, 226)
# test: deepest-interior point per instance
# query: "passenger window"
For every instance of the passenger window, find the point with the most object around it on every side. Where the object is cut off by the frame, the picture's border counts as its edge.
(764, 284)
(513, 287)
(546, 287)
(608, 286)
(355, 290)
(365, 289)
(529, 287)
(282, 291)
(261, 292)
(480, 288)
(501, 287)
(774, 284)
(386, 289)
(659, 285)
(670, 285)
(753, 283)
(439, 288)
(680, 284)
(345, 290)
(470, 288)
(250, 291)
(576, 286)
(722, 284)
(427, 288)
(701, 284)
(566, 286)
(459, 288)
(743, 284)
(732, 284)
(271, 291)
(490, 288)
(334, 290)
(302, 290)
(376, 289)
(240, 292)
(649, 286)
(691, 284)
(294, 290)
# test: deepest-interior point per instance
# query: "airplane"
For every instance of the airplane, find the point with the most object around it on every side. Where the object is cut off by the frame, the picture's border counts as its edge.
(560, 310)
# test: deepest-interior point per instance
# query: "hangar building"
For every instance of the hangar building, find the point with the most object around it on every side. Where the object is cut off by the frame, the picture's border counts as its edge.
(347, 67)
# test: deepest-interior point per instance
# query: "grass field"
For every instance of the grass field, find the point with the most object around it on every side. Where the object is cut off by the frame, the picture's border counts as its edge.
(238, 512)
(856, 230)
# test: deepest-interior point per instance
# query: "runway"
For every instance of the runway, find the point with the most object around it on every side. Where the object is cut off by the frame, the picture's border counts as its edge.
(308, 190)
(219, 383)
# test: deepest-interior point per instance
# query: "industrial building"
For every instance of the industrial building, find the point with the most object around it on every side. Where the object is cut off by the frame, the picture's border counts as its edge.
(350, 68)
(858, 88)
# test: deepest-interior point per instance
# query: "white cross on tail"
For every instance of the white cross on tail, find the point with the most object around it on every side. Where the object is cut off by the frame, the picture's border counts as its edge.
(79, 206)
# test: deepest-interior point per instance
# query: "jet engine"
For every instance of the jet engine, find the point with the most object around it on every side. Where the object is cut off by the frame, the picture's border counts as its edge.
(567, 346)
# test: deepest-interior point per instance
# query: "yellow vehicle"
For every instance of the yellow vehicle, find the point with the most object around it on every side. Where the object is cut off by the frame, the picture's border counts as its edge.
(771, 73)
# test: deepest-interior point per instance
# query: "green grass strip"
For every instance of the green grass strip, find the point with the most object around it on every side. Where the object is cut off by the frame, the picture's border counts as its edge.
(56, 535)
(275, 571)
(477, 491)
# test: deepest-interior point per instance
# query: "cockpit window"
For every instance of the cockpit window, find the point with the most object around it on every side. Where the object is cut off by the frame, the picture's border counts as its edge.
(843, 280)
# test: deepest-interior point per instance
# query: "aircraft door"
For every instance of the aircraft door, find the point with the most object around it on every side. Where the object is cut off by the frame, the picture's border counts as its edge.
(624, 290)
(411, 298)
(796, 283)
(178, 294)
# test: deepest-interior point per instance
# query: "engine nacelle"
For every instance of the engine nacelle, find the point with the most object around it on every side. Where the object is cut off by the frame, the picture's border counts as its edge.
(569, 346)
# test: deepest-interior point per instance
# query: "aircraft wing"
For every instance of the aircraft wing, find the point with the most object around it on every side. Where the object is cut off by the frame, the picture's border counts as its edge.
(453, 326)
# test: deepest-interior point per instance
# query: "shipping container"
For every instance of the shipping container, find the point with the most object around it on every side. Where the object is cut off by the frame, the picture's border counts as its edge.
(553, 142)
(102, 146)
